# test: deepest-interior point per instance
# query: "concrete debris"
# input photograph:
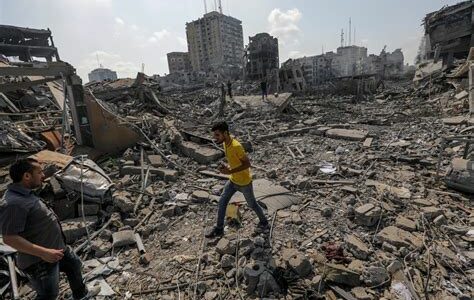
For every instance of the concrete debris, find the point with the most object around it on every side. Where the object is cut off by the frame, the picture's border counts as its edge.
(357, 247)
(366, 181)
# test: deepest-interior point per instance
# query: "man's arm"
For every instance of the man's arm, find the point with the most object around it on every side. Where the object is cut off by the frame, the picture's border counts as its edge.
(24, 246)
(244, 166)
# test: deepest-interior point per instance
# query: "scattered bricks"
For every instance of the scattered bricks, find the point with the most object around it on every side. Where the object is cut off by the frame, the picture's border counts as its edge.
(356, 266)
(296, 219)
(123, 202)
(227, 261)
(224, 246)
(76, 228)
(200, 196)
(394, 266)
(252, 274)
(373, 276)
(440, 220)
(341, 275)
(399, 237)
(201, 154)
(132, 222)
(145, 258)
(431, 212)
(100, 247)
(267, 284)
(357, 247)
(163, 173)
(405, 224)
(346, 134)
(123, 238)
(89, 209)
(155, 160)
(297, 261)
(367, 215)
(360, 293)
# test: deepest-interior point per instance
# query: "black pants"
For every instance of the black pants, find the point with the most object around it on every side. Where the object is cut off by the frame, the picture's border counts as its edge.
(44, 277)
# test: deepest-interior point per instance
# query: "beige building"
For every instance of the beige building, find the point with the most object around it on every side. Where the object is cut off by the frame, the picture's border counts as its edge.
(215, 43)
(178, 62)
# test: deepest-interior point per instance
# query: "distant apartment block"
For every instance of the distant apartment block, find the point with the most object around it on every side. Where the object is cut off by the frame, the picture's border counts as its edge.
(101, 74)
(262, 56)
(215, 42)
(349, 61)
(178, 62)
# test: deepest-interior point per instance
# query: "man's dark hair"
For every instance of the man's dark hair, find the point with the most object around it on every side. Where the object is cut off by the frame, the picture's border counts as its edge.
(220, 126)
(20, 167)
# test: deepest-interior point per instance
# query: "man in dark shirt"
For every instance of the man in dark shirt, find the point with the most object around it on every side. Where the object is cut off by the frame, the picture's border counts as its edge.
(33, 229)
(263, 86)
(229, 89)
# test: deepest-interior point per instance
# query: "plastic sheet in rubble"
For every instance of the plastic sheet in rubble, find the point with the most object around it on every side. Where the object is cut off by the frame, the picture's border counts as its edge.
(95, 183)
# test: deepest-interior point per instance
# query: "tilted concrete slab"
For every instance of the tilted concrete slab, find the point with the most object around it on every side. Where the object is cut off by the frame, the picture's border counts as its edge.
(273, 196)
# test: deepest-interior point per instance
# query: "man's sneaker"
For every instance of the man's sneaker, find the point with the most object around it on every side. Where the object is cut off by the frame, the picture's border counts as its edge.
(262, 227)
(215, 232)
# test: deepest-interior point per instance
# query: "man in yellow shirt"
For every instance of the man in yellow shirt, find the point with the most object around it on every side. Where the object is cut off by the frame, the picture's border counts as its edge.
(240, 179)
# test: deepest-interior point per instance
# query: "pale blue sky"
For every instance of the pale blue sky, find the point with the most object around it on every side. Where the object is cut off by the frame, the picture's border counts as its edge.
(127, 33)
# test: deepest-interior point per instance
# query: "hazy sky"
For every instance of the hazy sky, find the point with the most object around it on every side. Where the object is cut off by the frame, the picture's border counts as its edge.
(126, 33)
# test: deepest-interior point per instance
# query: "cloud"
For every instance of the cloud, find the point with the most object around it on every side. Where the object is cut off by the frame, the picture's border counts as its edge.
(119, 21)
(162, 34)
(284, 25)
(182, 41)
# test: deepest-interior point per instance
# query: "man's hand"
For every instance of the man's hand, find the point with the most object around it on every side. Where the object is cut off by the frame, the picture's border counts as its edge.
(224, 169)
(52, 255)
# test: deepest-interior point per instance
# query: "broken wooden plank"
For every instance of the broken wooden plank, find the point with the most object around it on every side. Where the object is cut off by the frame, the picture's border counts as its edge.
(214, 174)
(367, 143)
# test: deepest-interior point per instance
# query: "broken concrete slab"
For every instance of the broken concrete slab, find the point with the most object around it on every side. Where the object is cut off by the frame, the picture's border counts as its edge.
(346, 134)
(74, 229)
(273, 196)
(405, 223)
(201, 154)
(357, 247)
(399, 237)
(123, 238)
(340, 275)
(367, 215)
(402, 192)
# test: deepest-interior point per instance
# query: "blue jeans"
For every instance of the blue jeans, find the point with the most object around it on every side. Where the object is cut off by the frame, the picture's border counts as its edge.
(230, 189)
(44, 277)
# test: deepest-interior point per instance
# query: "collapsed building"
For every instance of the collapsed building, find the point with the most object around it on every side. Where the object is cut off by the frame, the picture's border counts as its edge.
(448, 32)
(262, 55)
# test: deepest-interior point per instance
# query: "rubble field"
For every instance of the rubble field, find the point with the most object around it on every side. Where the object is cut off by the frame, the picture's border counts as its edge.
(368, 196)
(355, 192)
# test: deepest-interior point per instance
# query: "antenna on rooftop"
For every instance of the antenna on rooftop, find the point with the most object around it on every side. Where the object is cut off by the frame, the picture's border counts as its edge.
(98, 62)
(350, 31)
(205, 6)
(342, 37)
(220, 6)
(143, 67)
(215, 5)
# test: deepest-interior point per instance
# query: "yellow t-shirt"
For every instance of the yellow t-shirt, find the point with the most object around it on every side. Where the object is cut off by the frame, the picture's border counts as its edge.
(234, 152)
